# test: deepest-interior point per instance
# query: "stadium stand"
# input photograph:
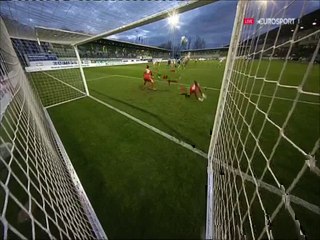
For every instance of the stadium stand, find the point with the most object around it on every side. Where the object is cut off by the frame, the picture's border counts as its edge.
(207, 54)
(302, 50)
(106, 48)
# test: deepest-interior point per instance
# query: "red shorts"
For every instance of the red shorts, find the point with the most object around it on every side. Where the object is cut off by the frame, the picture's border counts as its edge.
(147, 78)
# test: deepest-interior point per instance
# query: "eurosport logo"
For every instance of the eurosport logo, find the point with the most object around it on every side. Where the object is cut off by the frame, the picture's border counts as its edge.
(276, 21)
(269, 21)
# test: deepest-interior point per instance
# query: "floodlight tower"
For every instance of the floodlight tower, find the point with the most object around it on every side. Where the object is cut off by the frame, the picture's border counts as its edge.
(262, 7)
(173, 21)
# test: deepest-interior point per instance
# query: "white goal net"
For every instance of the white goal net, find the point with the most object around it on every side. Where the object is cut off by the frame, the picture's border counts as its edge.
(50, 61)
(40, 194)
(263, 171)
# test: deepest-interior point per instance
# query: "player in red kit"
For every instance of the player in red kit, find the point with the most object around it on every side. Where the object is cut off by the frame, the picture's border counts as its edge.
(147, 77)
(196, 90)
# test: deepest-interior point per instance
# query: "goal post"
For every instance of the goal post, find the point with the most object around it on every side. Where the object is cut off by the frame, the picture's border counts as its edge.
(40, 194)
(52, 63)
(210, 224)
(263, 159)
(81, 70)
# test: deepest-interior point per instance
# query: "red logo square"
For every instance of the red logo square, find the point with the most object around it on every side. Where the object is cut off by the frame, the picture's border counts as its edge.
(248, 21)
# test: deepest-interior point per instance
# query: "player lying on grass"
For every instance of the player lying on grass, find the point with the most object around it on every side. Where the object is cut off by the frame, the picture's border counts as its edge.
(147, 77)
(196, 90)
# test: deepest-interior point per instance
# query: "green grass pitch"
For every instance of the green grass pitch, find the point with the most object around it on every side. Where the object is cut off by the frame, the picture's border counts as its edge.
(143, 186)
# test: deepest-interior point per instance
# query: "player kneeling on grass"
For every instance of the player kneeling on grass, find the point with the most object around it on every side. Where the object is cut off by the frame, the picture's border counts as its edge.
(147, 77)
(196, 90)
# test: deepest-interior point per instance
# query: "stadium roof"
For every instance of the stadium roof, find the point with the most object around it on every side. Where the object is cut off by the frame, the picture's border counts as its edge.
(206, 49)
(127, 44)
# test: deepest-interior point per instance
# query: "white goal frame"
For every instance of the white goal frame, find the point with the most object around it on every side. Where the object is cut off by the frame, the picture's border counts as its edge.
(218, 117)
(248, 48)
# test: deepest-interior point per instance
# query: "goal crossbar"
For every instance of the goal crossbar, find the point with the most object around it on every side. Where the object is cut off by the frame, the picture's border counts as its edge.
(153, 18)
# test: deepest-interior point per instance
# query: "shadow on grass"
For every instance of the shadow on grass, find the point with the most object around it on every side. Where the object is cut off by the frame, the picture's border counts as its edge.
(159, 119)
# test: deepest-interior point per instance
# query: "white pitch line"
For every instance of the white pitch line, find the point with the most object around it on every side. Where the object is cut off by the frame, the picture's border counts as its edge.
(67, 101)
(166, 135)
(210, 88)
(154, 129)
(98, 78)
(286, 99)
(314, 208)
(247, 177)
(124, 76)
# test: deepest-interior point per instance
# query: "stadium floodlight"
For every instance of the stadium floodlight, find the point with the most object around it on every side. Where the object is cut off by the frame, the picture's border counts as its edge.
(173, 19)
(263, 3)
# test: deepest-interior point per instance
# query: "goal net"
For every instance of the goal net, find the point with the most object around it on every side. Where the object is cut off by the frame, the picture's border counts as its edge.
(263, 169)
(50, 62)
(40, 194)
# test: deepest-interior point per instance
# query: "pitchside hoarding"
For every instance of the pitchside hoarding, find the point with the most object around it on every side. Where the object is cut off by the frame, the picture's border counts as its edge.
(36, 66)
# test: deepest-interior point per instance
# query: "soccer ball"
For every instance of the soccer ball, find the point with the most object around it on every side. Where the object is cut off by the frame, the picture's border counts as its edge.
(184, 41)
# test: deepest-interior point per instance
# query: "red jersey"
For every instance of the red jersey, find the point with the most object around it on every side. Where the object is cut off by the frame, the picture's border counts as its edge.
(194, 88)
(147, 74)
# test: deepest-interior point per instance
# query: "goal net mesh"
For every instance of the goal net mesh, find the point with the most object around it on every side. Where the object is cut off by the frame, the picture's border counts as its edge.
(38, 195)
(263, 171)
(50, 62)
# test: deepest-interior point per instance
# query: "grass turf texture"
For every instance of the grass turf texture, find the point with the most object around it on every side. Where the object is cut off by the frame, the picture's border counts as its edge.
(186, 119)
(124, 155)
(140, 184)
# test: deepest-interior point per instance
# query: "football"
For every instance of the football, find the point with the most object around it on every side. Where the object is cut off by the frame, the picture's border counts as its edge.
(184, 41)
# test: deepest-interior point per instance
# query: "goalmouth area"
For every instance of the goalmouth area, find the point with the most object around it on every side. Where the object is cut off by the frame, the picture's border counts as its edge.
(88, 151)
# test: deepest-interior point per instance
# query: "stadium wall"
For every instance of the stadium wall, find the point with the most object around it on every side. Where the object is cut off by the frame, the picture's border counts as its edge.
(61, 64)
